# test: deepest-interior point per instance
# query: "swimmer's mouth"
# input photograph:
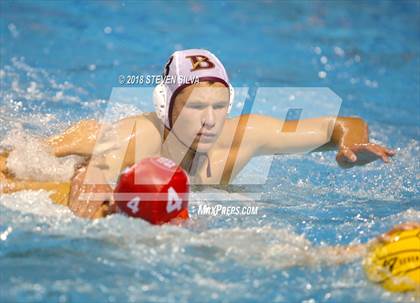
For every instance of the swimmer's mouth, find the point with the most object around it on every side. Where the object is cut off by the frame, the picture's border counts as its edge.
(206, 135)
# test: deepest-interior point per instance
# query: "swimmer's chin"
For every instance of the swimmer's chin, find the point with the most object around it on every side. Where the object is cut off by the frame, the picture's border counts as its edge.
(203, 147)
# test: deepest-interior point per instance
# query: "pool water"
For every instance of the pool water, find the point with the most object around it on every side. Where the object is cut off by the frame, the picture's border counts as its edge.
(59, 63)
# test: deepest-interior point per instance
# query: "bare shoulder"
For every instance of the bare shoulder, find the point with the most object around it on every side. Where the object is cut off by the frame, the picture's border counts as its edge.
(144, 129)
(146, 124)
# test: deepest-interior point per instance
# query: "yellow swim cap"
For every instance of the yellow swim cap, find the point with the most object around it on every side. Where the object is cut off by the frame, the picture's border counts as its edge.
(395, 264)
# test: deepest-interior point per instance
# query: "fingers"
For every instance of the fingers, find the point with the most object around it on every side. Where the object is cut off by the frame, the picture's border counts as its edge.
(346, 157)
(407, 226)
(361, 154)
(3, 163)
(387, 237)
(2, 176)
(390, 152)
(76, 186)
(349, 155)
(91, 208)
(102, 211)
(346, 154)
(81, 206)
(386, 151)
(379, 151)
(94, 201)
(86, 199)
(384, 238)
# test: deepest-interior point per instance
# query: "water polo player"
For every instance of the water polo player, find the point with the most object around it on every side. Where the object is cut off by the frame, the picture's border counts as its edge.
(190, 136)
(191, 127)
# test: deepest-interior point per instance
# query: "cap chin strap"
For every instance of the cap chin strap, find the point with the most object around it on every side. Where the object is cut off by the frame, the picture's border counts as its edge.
(194, 164)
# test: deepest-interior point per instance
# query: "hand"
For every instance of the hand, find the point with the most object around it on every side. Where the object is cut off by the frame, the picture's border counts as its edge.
(90, 205)
(386, 237)
(3, 162)
(361, 154)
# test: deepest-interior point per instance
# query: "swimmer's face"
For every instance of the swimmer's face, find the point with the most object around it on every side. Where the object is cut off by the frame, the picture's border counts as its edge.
(199, 114)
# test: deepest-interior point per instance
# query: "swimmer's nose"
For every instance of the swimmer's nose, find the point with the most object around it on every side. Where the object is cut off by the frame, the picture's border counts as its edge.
(208, 120)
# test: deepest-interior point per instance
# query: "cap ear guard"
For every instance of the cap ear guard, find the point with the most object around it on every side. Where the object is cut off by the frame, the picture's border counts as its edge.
(159, 101)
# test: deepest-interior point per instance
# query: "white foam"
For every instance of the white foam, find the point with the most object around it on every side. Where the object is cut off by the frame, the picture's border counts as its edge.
(33, 202)
(31, 159)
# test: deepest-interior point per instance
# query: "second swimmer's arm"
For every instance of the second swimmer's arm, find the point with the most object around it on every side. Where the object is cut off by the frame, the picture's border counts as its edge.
(90, 194)
(349, 253)
(340, 254)
(135, 139)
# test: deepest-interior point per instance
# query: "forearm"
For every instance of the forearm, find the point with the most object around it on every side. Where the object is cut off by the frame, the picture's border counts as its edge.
(341, 254)
(274, 136)
(79, 139)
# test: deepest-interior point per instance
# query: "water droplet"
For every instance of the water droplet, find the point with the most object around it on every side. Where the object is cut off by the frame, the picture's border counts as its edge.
(322, 74)
(339, 51)
(107, 30)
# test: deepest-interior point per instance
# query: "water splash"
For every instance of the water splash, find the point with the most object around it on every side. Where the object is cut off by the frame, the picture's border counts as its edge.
(30, 158)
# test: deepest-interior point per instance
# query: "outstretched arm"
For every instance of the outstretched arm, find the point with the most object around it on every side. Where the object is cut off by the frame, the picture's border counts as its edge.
(350, 253)
(79, 139)
(129, 141)
(341, 254)
(347, 134)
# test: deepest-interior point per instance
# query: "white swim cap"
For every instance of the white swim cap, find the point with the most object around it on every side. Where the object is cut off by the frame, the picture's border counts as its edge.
(181, 69)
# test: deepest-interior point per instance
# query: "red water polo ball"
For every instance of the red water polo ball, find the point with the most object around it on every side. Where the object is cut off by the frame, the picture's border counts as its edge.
(154, 189)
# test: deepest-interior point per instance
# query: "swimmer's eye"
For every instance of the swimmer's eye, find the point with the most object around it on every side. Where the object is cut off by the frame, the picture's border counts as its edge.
(220, 105)
(200, 106)
(197, 105)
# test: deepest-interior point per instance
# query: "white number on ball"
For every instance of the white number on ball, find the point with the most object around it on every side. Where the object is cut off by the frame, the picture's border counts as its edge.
(174, 201)
(166, 162)
(134, 204)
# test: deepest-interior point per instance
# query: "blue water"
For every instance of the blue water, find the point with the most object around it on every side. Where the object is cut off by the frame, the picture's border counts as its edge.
(59, 63)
